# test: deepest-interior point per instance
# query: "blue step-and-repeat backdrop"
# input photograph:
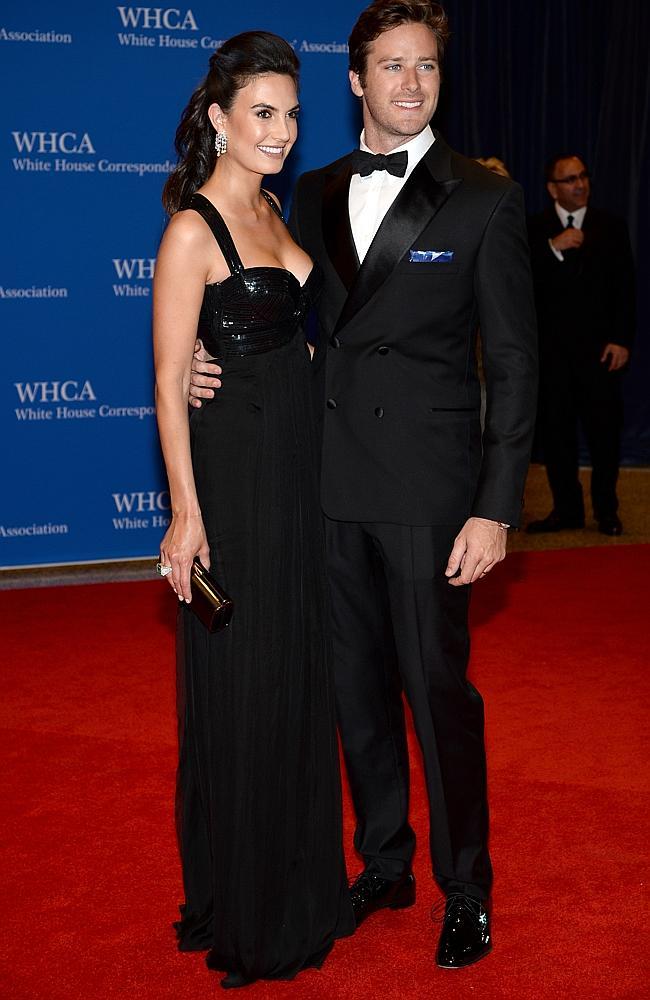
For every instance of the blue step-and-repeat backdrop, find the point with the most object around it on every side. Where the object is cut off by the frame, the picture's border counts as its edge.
(92, 95)
(91, 98)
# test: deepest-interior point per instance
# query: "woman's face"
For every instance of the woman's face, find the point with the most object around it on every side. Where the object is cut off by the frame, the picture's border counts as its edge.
(262, 124)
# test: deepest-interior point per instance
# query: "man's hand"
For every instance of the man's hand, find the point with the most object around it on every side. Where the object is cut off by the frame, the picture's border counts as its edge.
(569, 239)
(617, 355)
(479, 545)
(203, 378)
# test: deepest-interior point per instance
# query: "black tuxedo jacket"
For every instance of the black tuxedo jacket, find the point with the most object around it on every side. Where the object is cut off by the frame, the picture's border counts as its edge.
(402, 439)
(587, 300)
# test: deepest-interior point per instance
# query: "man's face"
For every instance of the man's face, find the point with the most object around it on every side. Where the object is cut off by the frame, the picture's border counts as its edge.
(400, 86)
(570, 186)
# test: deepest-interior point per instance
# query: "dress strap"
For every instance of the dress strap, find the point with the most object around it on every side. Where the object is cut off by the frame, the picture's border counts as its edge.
(272, 203)
(219, 229)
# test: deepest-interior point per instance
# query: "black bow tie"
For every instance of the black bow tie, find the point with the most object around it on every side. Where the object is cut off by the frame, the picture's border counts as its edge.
(366, 163)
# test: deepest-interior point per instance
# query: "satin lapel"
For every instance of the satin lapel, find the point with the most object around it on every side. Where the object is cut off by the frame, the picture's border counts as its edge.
(584, 253)
(553, 224)
(412, 211)
(337, 233)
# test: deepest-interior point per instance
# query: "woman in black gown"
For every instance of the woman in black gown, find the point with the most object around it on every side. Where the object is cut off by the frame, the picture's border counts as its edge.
(258, 786)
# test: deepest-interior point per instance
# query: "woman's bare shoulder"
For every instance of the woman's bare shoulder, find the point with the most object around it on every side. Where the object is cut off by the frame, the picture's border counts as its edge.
(187, 229)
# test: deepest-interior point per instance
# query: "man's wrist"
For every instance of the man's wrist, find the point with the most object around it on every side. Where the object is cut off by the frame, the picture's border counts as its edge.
(491, 520)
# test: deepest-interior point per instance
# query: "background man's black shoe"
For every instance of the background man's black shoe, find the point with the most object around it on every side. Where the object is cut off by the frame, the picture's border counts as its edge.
(372, 892)
(610, 525)
(465, 936)
(554, 523)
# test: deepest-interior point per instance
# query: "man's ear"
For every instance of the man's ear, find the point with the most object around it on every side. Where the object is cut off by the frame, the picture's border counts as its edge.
(355, 84)
(552, 190)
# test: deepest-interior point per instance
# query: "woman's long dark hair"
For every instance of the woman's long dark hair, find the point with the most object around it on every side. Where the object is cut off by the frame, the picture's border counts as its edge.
(241, 58)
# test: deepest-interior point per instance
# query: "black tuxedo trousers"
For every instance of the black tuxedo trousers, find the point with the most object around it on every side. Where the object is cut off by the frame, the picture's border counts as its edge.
(398, 624)
(579, 389)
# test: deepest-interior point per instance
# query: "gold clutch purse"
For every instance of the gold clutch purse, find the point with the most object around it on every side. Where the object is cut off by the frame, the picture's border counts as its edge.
(210, 603)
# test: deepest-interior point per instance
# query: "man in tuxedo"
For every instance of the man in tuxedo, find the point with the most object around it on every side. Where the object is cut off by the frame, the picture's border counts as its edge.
(584, 289)
(419, 247)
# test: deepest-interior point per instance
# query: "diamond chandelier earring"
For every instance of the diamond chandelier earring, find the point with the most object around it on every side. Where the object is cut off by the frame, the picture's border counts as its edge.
(221, 143)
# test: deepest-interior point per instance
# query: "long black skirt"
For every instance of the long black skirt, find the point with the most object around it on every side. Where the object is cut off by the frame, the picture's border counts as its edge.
(259, 801)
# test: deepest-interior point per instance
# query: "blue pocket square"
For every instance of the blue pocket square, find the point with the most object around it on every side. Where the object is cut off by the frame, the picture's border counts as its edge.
(431, 256)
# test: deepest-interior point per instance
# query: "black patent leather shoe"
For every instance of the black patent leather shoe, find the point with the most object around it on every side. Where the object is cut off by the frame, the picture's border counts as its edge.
(553, 522)
(465, 936)
(610, 525)
(372, 892)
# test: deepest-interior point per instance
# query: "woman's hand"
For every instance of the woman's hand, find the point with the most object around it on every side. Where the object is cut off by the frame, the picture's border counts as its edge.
(185, 538)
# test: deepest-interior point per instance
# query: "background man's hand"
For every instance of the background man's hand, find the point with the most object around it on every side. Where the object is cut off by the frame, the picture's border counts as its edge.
(617, 355)
(203, 378)
(569, 239)
(479, 545)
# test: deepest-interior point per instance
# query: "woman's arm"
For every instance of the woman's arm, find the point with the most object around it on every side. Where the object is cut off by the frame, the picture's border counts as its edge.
(179, 282)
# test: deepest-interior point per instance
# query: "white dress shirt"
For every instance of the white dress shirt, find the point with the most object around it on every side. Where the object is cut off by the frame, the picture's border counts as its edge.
(578, 219)
(371, 197)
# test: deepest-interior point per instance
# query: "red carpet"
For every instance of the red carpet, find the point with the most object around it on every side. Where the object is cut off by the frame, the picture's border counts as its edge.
(90, 872)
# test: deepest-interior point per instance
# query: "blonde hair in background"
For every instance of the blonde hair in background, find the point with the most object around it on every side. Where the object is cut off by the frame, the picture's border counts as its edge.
(494, 164)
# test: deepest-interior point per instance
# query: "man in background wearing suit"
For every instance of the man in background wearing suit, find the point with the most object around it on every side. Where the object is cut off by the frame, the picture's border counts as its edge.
(419, 246)
(584, 288)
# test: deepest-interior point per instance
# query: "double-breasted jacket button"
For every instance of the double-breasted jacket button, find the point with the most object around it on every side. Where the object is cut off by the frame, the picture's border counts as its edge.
(379, 412)
(335, 341)
(383, 349)
(331, 404)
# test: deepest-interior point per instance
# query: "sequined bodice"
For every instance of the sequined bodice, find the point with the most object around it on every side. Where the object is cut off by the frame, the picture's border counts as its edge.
(255, 309)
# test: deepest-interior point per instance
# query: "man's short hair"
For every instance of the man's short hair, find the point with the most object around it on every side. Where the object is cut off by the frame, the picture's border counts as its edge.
(549, 169)
(383, 15)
